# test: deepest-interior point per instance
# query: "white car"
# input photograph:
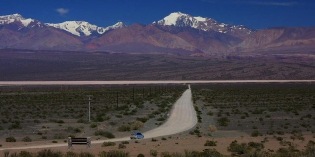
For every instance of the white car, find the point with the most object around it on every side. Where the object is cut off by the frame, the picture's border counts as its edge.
(137, 135)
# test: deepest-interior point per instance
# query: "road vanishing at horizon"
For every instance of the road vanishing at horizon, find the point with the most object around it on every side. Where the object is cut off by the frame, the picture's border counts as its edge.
(182, 118)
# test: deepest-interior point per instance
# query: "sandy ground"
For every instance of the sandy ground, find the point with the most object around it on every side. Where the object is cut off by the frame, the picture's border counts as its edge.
(17, 83)
(180, 119)
(178, 143)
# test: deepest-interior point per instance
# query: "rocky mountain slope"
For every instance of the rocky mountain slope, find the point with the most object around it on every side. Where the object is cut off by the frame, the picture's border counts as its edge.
(177, 33)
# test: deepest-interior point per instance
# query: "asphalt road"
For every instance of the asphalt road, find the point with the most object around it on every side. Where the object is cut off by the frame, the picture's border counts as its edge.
(182, 118)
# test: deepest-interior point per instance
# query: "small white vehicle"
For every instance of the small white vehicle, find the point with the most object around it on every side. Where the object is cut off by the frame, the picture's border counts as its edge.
(137, 135)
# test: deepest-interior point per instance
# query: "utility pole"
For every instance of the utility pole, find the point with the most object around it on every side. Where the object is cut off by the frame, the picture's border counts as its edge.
(117, 98)
(89, 108)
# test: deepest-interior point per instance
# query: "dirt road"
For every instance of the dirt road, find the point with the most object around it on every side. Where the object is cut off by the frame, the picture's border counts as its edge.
(182, 117)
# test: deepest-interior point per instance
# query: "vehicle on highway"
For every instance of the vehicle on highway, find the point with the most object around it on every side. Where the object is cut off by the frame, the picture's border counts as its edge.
(137, 135)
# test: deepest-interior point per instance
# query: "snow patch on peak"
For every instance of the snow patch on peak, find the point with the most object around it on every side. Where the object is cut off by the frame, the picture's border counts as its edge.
(201, 19)
(26, 22)
(7, 19)
(75, 27)
(172, 19)
(179, 19)
(118, 25)
(79, 28)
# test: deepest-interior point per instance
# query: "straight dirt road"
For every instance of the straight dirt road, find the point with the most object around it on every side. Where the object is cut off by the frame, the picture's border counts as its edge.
(182, 118)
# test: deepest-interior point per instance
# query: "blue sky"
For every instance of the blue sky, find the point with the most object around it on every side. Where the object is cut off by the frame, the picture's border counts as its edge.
(255, 14)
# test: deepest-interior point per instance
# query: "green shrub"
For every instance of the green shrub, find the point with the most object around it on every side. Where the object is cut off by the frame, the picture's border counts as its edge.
(153, 152)
(104, 133)
(15, 125)
(256, 145)
(121, 146)
(142, 119)
(85, 154)
(224, 121)
(113, 153)
(255, 133)
(25, 154)
(10, 139)
(124, 128)
(27, 139)
(48, 153)
(106, 144)
(210, 143)
(238, 148)
(94, 125)
(71, 154)
(125, 142)
(136, 125)
(140, 155)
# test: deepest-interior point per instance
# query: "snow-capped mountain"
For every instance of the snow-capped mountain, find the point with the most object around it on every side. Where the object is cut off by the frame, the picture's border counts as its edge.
(176, 33)
(7, 19)
(79, 28)
(179, 19)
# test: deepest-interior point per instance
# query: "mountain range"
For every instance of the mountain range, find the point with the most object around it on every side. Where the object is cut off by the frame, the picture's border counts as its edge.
(177, 33)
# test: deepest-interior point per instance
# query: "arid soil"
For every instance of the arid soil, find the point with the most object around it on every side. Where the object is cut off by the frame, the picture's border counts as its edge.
(274, 115)
(80, 66)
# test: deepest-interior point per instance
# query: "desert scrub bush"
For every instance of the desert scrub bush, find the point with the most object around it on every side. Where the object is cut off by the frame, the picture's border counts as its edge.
(85, 154)
(49, 153)
(237, 148)
(124, 128)
(224, 121)
(106, 144)
(142, 119)
(15, 125)
(160, 119)
(10, 139)
(140, 155)
(255, 133)
(121, 146)
(57, 121)
(210, 143)
(59, 136)
(113, 153)
(205, 153)
(124, 142)
(153, 152)
(27, 139)
(136, 125)
(256, 145)
(25, 154)
(93, 125)
(210, 113)
(104, 133)
(71, 154)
